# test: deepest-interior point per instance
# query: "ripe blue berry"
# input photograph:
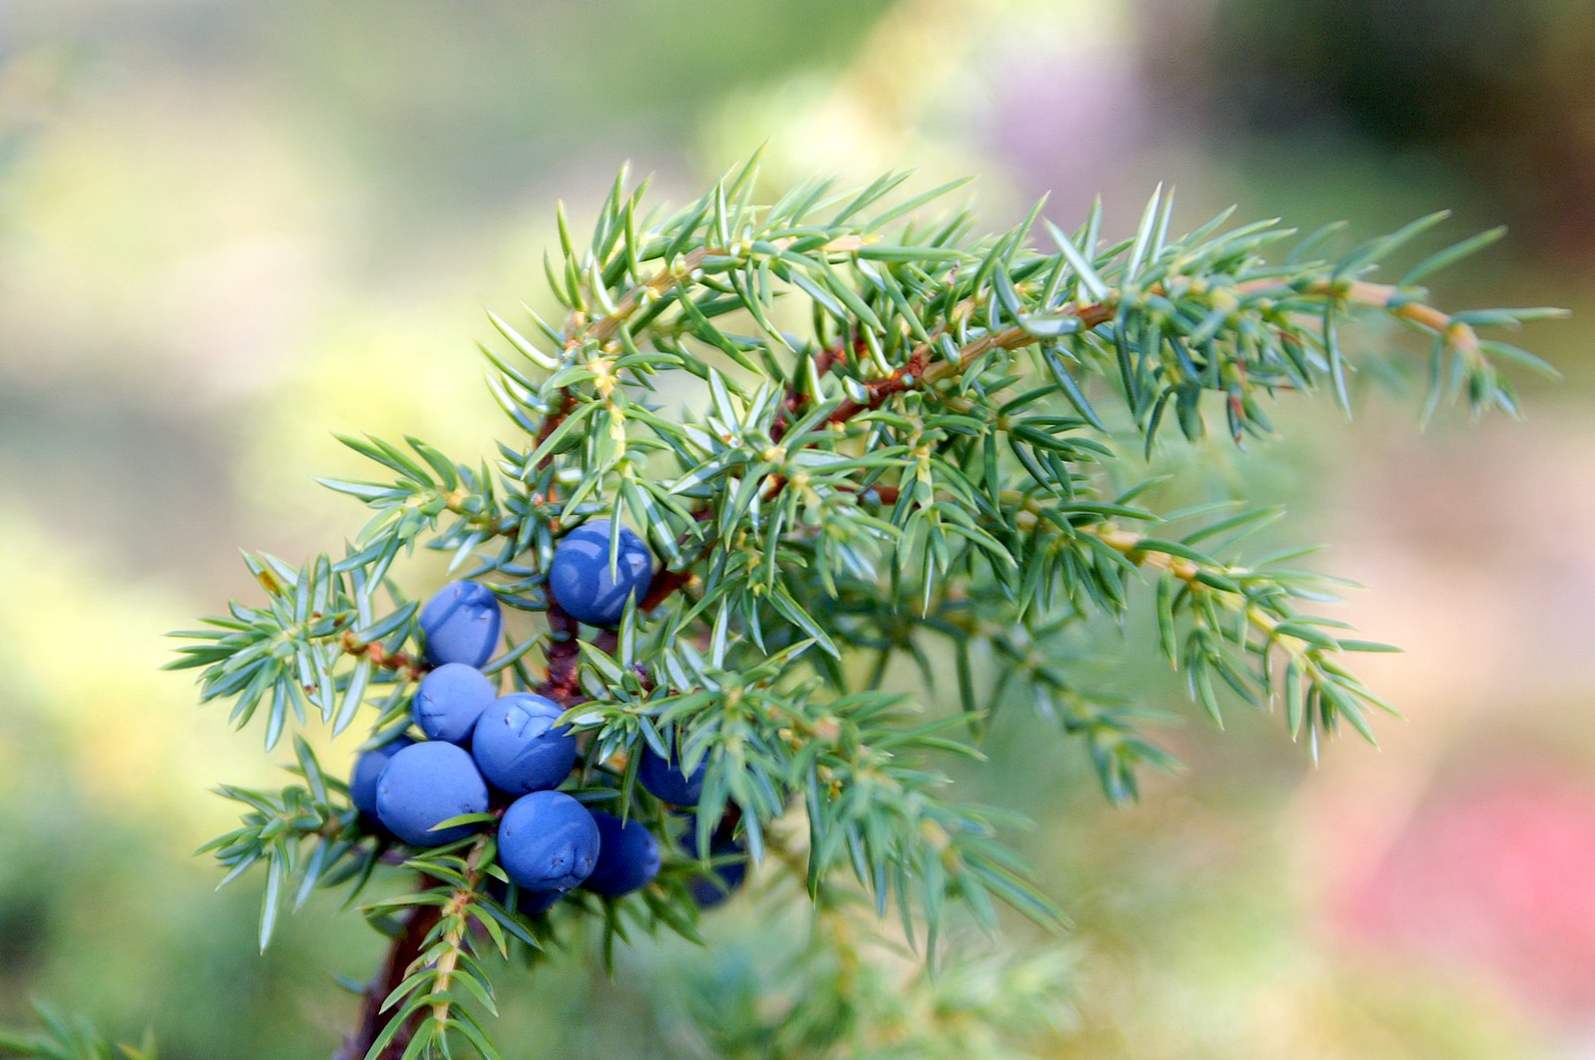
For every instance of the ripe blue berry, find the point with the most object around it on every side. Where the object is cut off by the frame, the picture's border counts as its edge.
(628, 856)
(580, 580)
(461, 624)
(367, 768)
(449, 701)
(517, 748)
(706, 890)
(426, 784)
(665, 781)
(547, 841)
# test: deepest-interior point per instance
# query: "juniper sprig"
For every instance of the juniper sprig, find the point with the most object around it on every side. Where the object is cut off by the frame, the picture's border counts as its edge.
(848, 427)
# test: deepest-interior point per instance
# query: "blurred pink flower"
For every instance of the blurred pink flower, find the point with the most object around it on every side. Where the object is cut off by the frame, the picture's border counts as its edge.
(1498, 873)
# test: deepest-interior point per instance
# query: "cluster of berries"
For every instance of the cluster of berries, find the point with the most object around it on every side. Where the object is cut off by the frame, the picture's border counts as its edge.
(481, 745)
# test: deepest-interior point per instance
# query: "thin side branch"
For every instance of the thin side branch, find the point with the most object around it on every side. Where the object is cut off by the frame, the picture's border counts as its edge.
(410, 666)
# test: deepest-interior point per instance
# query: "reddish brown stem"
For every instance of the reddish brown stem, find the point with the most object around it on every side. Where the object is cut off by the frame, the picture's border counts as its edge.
(566, 402)
(824, 361)
(404, 951)
(904, 377)
(563, 683)
(664, 583)
(887, 494)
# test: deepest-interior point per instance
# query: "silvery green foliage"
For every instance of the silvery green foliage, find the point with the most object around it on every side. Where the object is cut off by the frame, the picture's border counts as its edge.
(899, 434)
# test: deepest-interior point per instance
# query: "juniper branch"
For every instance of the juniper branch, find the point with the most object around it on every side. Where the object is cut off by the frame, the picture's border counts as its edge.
(933, 454)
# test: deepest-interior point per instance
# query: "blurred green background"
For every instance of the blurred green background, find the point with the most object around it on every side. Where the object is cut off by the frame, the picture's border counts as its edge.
(227, 231)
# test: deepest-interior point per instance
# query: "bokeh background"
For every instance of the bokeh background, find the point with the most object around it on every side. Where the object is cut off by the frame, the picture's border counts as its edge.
(228, 230)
